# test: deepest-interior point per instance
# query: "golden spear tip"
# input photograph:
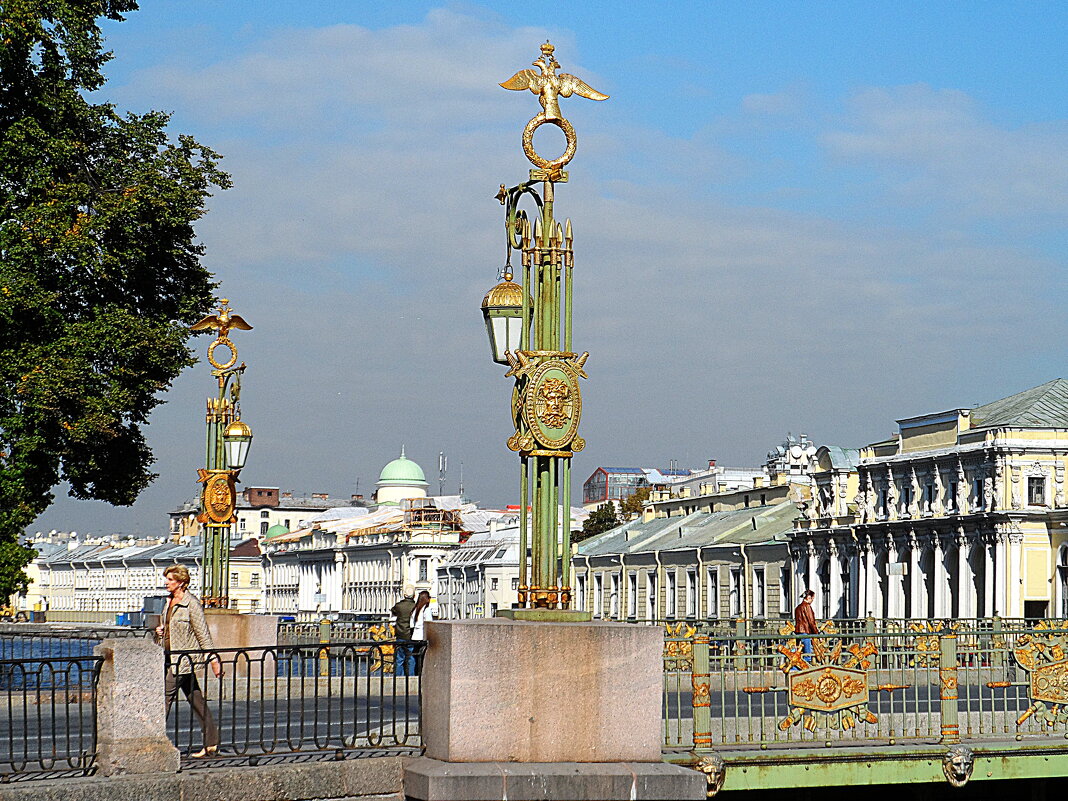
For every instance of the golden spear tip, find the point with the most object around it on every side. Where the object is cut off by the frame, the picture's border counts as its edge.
(537, 228)
(567, 230)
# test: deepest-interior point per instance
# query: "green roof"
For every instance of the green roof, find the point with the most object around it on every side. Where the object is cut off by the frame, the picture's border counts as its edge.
(402, 472)
(1044, 406)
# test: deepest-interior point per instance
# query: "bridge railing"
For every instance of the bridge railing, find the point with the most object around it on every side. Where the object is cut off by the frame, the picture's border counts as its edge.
(940, 680)
(48, 716)
(359, 698)
(327, 631)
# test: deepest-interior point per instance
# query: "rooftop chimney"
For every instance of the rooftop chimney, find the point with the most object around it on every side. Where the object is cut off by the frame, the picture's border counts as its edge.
(711, 463)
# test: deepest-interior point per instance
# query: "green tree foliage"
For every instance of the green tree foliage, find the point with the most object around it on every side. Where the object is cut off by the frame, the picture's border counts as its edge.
(600, 520)
(632, 504)
(100, 273)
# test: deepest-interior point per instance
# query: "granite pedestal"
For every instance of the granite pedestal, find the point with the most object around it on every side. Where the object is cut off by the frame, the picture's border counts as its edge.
(522, 710)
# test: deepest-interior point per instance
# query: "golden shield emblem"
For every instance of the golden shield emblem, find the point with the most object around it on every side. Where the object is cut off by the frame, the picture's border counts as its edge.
(220, 495)
(552, 404)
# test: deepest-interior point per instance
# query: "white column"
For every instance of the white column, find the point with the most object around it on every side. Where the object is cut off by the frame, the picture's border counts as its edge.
(988, 576)
(1014, 600)
(1000, 563)
(965, 585)
(872, 583)
(939, 579)
(917, 601)
(838, 606)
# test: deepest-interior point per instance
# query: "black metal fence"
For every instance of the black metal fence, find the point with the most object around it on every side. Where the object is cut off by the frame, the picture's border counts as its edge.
(339, 700)
(48, 716)
(56, 643)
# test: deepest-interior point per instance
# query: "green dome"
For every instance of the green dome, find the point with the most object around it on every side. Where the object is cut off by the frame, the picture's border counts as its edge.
(276, 530)
(402, 472)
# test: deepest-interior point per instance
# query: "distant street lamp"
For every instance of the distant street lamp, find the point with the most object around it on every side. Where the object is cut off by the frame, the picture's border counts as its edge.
(529, 326)
(228, 441)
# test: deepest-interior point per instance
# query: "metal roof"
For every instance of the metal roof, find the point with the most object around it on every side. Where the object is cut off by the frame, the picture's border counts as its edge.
(1044, 406)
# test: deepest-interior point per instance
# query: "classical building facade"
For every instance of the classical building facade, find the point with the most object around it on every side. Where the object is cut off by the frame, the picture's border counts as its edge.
(94, 582)
(704, 565)
(961, 514)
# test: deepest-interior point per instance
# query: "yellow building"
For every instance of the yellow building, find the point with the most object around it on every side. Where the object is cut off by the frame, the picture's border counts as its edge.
(962, 514)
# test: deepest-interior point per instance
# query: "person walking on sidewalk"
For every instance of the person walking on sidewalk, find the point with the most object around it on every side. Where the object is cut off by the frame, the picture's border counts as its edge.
(185, 629)
(420, 615)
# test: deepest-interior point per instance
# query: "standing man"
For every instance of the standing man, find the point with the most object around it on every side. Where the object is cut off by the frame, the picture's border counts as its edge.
(805, 622)
(401, 617)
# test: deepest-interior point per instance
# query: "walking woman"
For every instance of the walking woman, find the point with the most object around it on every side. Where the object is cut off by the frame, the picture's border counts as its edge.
(185, 629)
(420, 614)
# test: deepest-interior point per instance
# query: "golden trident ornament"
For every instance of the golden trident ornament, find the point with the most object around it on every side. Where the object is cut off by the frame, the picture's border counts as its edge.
(549, 87)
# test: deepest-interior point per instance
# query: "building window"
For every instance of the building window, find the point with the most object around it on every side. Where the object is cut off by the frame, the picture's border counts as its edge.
(580, 595)
(598, 595)
(735, 599)
(884, 503)
(672, 593)
(691, 594)
(712, 582)
(493, 583)
(255, 604)
(423, 568)
(906, 501)
(650, 596)
(234, 579)
(266, 524)
(515, 584)
(928, 497)
(979, 490)
(265, 514)
(951, 497)
(632, 595)
(1036, 491)
(241, 524)
(759, 609)
(613, 598)
(254, 580)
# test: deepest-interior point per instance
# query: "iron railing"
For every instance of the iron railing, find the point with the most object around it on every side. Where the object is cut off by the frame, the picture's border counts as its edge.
(336, 699)
(940, 680)
(48, 716)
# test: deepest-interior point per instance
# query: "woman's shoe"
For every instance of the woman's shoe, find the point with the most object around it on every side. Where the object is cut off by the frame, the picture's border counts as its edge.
(204, 752)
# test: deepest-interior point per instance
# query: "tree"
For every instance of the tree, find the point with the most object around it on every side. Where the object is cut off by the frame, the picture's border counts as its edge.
(600, 520)
(100, 273)
(632, 504)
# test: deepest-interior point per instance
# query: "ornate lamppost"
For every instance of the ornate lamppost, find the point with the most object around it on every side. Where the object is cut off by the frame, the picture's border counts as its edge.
(228, 440)
(529, 326)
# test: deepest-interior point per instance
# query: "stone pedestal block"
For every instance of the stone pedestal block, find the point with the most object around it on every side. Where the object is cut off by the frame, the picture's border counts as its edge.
(513, 691)
(430, 780)
(131, 710)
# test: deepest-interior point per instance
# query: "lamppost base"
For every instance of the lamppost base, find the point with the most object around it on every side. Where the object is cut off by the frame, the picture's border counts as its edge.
(546, 615)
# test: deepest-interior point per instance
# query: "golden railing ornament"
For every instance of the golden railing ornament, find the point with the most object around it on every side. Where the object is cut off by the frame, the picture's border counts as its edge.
(829, 686)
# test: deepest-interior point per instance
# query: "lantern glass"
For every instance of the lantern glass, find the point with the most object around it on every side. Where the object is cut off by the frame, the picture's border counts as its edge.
(504, 324)
(236, 442)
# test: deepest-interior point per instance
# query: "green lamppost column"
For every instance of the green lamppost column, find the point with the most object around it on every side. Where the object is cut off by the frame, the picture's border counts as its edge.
(529, 324)
(228, 440)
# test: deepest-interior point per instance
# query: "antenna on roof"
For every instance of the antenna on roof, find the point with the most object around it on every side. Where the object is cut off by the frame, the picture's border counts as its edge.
(461, 480)
(443, 466)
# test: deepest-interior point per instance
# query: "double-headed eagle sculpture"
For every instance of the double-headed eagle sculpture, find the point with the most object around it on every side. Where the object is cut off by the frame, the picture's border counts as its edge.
(549, 86)
(222, 322)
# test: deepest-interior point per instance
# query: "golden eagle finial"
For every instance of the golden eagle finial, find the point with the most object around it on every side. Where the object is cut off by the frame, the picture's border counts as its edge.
(223, 321)
(549, 86)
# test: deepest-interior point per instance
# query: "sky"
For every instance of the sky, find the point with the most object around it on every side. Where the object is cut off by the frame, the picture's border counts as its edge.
(789, 217)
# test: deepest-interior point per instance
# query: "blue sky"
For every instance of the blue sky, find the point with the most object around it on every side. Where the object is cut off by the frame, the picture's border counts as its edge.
(808, 217)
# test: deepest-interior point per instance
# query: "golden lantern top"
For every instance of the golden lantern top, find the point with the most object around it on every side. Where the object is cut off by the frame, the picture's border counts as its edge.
(506, 293)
